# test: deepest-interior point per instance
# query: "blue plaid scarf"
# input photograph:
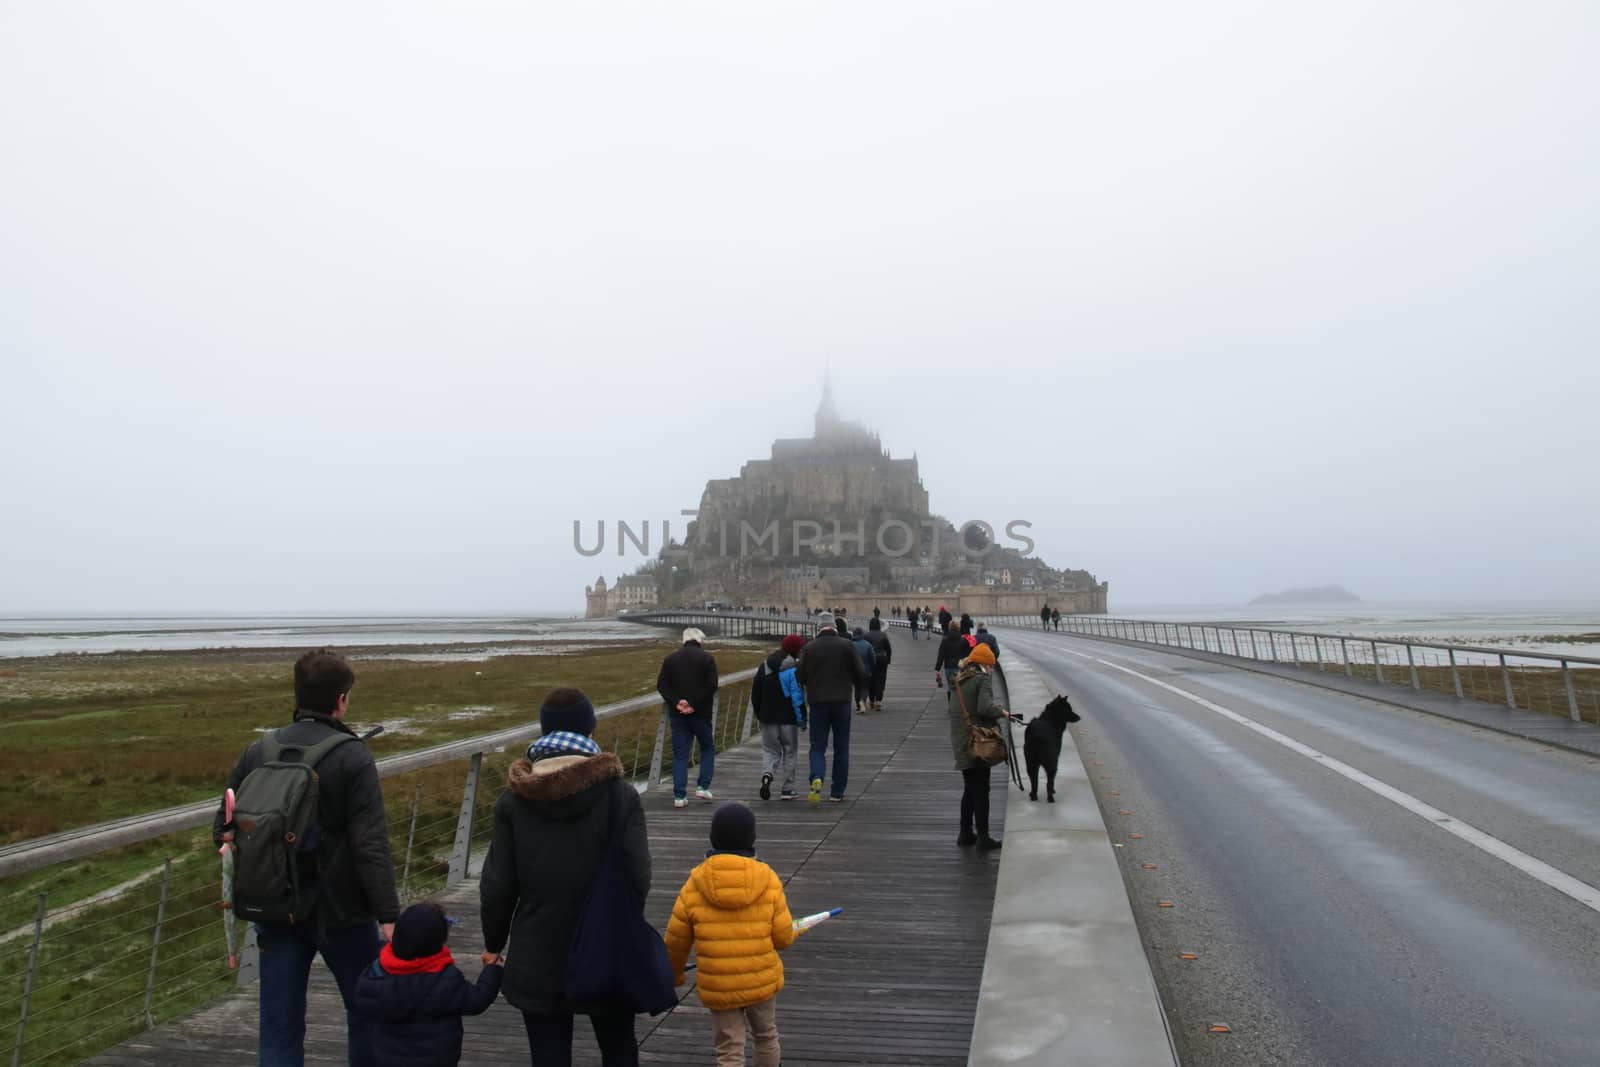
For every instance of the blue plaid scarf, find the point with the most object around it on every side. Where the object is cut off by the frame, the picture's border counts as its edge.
(563, 743)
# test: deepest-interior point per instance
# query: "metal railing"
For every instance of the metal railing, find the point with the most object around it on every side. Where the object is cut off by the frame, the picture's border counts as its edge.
(1523, 680)
(94, 971)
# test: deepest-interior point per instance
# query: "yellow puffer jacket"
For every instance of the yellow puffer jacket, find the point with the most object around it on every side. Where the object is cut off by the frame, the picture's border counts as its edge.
(733, 911)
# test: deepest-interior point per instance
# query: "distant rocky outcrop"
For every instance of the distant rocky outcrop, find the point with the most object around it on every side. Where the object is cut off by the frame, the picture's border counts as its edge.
(1321, 594)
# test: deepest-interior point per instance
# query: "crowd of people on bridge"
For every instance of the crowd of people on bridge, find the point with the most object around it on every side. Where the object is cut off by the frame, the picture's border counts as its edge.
(566, 821)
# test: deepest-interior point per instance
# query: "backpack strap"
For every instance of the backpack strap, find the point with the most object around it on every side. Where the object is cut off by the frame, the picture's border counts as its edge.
(273, 748)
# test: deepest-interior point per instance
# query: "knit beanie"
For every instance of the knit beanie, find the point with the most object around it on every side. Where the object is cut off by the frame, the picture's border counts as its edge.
(420, 931)
(983, 655)
(733, 829)
(794, 644)
(566, 710)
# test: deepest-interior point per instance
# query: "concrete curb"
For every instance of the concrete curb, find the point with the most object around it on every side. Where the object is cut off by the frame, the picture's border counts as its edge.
(1065, 977)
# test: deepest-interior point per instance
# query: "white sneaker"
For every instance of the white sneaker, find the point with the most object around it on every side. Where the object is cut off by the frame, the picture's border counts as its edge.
(680, 802)
(704, 794)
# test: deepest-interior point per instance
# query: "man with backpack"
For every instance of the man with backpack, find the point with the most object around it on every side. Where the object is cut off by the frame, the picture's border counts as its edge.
(311, 858)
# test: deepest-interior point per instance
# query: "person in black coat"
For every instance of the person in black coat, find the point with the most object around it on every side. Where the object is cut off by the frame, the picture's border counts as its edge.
(415, 995)
(944, 618)
(830, 669)
(966, 623)
(550, 830)
(688, 687)
(953, 648)
(882, 653)
(985, 637)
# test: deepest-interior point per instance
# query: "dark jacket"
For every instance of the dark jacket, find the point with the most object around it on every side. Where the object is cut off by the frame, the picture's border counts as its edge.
(953, 648)
(864, 649)
(975, 688)
(550, 829)
(418, 1016)
(966, 623)
(987, 638)
(882, 652)
(772, 704)
(353, 870)
(944, 619)
(689, 674)
(830, 669)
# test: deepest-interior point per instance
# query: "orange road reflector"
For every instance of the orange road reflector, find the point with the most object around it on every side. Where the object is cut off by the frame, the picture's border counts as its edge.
(1220, 1028)
(1187, 956)
(1165, 904)
(1148, 866)
(1136, 837)
(1124, 812)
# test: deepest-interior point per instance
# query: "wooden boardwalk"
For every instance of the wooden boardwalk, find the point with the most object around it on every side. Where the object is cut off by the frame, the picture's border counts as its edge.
(893, 981)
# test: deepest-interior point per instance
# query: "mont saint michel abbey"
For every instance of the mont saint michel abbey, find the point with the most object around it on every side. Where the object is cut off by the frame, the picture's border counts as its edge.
(833, 521)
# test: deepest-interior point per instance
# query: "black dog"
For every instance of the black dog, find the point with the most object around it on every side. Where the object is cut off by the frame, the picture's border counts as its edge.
(1041, 745)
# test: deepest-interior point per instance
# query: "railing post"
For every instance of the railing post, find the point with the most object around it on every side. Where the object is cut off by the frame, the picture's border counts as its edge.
(749, 713)
(1572, 697)
(249, 959)
(1316, 643)
(1377, 664)
(1344, 654)
(1411, 661)
(1505, 678)
(1255, 646)
(155, 945)
(655, 754)
(411, 838)
(27, 981)
(1455, 673)
(461, 851)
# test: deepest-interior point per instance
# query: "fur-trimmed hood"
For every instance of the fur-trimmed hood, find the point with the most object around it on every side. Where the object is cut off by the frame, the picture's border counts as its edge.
(559, 784)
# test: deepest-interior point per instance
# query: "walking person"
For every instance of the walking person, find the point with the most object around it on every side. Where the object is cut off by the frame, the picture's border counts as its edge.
(1055, 618)
(973, 698)
(869, 658)
(966, 623)
(732, 911)
(415, 995)
(343, 865)
(780, 707)
(882, 653)
(688, 686)
(986, 638)
(944, 618)
(552, 825)
(1044, 617)
(830, 669)
(953, 648)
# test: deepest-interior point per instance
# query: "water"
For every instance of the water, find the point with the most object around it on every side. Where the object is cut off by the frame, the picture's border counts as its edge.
(48, 635)
(1559, 628)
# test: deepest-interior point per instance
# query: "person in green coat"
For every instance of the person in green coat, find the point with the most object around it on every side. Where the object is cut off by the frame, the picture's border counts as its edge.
(974, 690)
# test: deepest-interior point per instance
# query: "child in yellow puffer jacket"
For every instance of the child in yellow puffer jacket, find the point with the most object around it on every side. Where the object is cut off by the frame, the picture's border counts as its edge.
(733, 911)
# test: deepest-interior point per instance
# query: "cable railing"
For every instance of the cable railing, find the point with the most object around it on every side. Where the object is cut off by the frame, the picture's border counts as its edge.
(92, 972)
(1551, 683)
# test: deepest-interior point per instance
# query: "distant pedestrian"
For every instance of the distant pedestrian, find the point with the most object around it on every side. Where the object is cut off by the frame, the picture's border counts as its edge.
(732, 911)
(1055, 618)
(953, 648)
(876, 614)
(552, 825)
(688, 685)
(830, 669)
(869, 658)
(415, 995)
(882, 653)
(973, 698)
(966, 623)
(987, 638)
(347, 875)
(1044, 617)
(944, 618)
(780, 707)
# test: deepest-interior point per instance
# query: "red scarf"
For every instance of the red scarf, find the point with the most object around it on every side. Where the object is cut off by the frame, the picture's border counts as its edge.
(421, 965)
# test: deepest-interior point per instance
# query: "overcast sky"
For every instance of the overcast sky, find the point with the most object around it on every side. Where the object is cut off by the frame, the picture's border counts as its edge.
(358, 306)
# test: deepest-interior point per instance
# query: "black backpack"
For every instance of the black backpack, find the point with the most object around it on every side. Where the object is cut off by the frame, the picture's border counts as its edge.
(275, 825)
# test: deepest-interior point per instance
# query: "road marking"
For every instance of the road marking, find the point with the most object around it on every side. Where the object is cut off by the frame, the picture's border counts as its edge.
(1556, 879)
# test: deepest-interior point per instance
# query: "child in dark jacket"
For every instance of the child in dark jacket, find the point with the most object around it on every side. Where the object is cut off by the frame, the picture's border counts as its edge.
(415, 995)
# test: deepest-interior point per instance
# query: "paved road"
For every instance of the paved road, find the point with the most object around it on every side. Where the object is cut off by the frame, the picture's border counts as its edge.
(1334, 924)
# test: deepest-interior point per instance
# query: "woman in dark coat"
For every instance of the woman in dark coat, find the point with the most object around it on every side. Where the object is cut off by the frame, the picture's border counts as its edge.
(550, 831)
(974, 691)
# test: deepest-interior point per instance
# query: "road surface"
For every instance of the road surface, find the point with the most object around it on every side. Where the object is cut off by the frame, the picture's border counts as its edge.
(1361, 885)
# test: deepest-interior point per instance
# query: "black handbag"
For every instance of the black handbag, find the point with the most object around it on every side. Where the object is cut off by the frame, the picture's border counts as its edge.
(616, 956)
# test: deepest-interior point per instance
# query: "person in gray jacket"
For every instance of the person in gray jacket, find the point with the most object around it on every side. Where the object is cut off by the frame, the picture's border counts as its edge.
(830, 670)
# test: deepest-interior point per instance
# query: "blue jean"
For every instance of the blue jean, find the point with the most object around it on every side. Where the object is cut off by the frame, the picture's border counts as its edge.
(834, 717)
(687, 729)
(286, 955)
